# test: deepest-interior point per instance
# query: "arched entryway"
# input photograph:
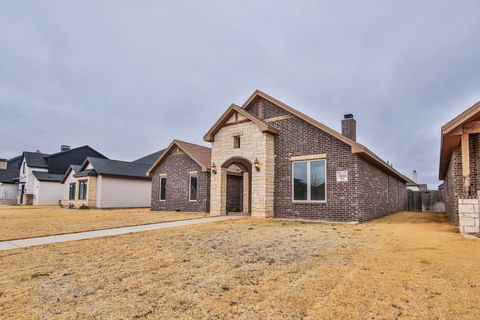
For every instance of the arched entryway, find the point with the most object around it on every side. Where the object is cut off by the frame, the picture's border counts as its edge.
(238, 185)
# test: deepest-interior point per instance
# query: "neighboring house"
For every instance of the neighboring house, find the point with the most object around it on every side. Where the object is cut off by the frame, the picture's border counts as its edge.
(41, 174)
(181, 178)
(104, 183)
(413, 185)
(47, 189)
(8, 175)
(285, 164)
(460, 169)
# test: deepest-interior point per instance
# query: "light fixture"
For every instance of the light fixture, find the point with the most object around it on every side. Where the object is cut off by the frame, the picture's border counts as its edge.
(214, 168)
(256, 163)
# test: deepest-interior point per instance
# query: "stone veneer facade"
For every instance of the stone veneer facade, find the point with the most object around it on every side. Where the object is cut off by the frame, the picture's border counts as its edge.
(177, 167)
(91, 200)
(369, 192)
(254, 145)
(469, 216)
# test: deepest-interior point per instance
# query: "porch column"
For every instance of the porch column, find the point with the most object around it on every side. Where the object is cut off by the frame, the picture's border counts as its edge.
(218, 192)
(466, 163)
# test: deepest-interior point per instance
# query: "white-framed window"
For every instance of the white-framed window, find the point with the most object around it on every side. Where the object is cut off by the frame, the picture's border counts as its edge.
(192, 187)
(162, 192)
(309, 181)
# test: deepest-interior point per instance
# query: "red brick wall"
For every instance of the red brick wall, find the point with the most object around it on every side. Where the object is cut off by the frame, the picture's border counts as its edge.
(355, 200)
(177, 168)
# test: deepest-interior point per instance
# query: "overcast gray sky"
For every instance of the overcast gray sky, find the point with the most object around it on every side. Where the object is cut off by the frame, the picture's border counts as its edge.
(127, 77)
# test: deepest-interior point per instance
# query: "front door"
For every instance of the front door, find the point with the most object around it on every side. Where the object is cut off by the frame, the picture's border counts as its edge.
(22, 193)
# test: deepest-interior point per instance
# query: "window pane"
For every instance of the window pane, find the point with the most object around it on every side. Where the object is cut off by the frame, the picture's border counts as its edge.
(163, 188)
(193, 187)
(317, 180)
(300, 181)
(82, 192)
(72, 191)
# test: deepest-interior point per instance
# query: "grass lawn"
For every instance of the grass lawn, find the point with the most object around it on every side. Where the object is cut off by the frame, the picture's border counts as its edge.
(409, 265)
(29, 221)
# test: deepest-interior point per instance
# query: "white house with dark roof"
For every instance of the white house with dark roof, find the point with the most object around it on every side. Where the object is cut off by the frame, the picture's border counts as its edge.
(105, 183)
(8, 175)
(40, 174)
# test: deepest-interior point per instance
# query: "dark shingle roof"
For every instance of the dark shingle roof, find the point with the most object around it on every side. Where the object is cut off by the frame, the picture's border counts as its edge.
(36, 159)
(86, 173)
(150, 159)
(107, 167)
(75, 168)
(48, 177)
(7, 175)
(15, 162)
(87, 147)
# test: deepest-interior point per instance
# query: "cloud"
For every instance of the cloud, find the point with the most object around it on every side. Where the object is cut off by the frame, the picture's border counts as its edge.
(128, 77)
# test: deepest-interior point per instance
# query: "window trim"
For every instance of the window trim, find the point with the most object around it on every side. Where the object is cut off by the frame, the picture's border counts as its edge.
(162, 177)
(86, 189)
(190, 187)
(309, 191)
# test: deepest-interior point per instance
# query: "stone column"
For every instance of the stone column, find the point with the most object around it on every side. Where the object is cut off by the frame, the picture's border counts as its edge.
(218, 192)
(246, 193)
(469, 216)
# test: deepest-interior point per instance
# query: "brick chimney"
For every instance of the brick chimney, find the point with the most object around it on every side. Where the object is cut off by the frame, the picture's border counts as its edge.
(3, 164)
(349, 127)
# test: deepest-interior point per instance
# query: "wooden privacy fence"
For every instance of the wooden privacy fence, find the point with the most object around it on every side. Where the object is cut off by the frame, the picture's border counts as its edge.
(426, 200)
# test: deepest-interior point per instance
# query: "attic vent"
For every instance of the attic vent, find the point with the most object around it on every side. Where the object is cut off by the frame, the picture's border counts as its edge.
(64, 147)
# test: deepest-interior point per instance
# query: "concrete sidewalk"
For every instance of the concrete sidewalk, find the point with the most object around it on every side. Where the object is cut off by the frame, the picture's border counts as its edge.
(30, 242)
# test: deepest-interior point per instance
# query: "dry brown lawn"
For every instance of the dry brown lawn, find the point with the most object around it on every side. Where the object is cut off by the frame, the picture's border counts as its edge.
(406, 266)
(30, 221)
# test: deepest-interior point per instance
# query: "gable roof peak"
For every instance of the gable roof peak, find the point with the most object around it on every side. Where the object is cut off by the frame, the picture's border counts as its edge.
(198, 153)
(210, 135)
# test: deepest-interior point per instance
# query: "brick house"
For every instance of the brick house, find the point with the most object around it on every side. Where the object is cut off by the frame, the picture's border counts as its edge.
(460, 169)
(295, 167)
(270, 160)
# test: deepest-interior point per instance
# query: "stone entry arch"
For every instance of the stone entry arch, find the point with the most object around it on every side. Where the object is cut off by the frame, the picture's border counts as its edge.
(246, 168)
(238, 137)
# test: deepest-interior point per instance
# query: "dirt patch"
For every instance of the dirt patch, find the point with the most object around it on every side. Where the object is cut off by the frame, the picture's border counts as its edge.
(23, 222)
(252, 269)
